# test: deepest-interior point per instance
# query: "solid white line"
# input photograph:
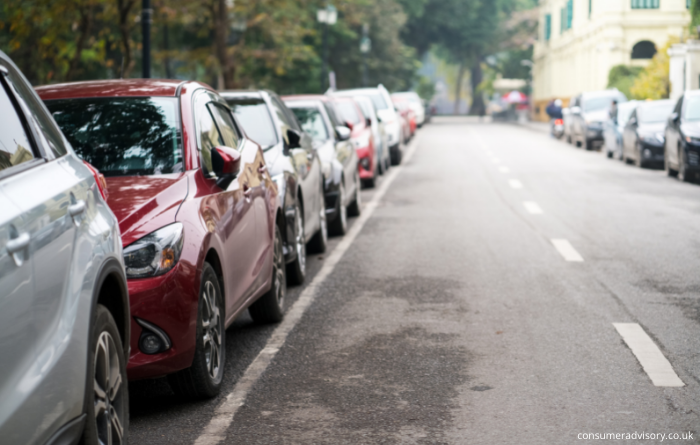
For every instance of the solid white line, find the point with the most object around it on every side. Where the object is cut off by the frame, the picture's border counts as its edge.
(649, 355)
(515, 183)
(504, 169)
(215, 431)
(566, 250)
(532, 207)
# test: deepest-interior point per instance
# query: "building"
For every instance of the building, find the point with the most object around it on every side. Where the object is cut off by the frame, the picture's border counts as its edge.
(580, 40)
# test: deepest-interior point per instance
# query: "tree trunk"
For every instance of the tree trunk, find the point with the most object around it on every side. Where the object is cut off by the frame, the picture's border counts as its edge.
(124, 8)
(458, 87)
(221, 29)
(84, 29)
(477, 108)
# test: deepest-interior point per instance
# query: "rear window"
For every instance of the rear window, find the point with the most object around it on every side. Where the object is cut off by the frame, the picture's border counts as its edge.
(348, 111)
(129, 136)
(255, 118)
(378, 101)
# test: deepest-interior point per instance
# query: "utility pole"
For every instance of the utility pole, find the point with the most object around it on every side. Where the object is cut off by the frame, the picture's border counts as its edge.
(365, 48)
(146, 19)
(327, 16)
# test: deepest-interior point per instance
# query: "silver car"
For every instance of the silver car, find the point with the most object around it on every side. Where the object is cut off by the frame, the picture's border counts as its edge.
(64, 309)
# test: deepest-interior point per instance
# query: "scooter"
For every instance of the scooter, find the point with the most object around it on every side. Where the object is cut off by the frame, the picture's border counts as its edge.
(558, 128)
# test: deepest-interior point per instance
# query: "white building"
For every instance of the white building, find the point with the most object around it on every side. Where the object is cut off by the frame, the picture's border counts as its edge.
(580, 40)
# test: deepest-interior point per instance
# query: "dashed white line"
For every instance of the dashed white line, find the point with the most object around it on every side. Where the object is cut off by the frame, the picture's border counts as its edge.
(566, 250)
(514, 183)
(655, 364)
(532, 207)
(504, 169)
(215, 432)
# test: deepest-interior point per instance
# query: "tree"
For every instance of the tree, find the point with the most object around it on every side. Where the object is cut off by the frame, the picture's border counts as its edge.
(623, 77)
(653, 82)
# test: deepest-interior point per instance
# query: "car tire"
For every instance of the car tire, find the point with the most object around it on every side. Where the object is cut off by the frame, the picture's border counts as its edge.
(319, 242)
(107, 395)
(683, 174)
(609, 154)
(203, 379)
(395, 153)
(296, 270)
(355, 207)
(270, 307)
(339, 226)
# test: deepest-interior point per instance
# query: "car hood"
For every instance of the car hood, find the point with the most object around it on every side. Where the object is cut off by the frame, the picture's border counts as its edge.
(597, 116)
(653, 127)
(143, 204)
(691, 128)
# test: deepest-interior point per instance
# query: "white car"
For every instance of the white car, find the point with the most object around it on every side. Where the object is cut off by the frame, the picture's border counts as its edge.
(378, 133)
(415, 103)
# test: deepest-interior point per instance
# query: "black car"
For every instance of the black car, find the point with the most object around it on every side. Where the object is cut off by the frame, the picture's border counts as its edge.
(338, 157)
(294, 165)
(643, 137)
(682, 154)
(587, 113)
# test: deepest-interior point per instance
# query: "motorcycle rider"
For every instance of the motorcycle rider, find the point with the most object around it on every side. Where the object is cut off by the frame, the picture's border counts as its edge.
(554, 112)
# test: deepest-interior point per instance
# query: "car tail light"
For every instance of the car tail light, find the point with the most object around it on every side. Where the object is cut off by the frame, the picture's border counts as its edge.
(559, 122)
(99, 179)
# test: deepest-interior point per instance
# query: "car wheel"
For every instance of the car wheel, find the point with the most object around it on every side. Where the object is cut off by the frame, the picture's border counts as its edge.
(395, 153)
(609, 154)
(319, 242)
(339, 226)
(107, 396)
(667, 166)
(683, 174)
(270, 307)
(296, 270)
(203, 379)
(355, 207)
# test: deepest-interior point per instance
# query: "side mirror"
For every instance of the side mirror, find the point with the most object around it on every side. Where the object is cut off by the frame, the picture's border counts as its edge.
(226, 162)
(293, 139)
(343, 133)
(349, 125)
(576, 110)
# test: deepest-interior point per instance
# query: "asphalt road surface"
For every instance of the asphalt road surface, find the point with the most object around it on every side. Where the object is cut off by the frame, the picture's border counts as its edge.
(502, 287)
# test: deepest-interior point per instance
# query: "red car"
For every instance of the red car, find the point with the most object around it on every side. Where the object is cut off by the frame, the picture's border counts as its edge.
(408, 116)
(198, 215)
(350, 113)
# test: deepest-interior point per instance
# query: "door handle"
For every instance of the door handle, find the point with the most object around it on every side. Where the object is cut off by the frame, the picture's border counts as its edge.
(77, 208)
(19, 243)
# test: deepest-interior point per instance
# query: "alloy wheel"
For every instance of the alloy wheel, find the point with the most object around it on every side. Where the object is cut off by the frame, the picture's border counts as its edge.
(108, 387)
(212, 330)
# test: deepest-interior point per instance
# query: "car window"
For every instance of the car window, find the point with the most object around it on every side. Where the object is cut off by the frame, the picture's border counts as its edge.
(312, 122)
(227, 128)
(278, 109)
(255, 118)
(50, 136)
(348, 111)
(123, 136)
(208, 135)
(691, 107)
(15, 147)
(624, 112)
(378, 100)
(331, 114)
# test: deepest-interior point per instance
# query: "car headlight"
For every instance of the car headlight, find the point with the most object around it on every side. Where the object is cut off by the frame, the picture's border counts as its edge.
(156, 253)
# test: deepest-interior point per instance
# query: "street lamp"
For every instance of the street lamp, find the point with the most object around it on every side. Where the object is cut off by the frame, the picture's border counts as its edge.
(327, 16)
(365, 48)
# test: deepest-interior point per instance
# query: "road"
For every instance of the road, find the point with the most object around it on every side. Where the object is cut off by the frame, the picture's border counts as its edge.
(475, 304)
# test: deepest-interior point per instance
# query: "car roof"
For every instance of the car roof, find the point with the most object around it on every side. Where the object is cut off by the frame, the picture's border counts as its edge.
(294, 97)
(246, 94)
(358, 91)
(113, 88)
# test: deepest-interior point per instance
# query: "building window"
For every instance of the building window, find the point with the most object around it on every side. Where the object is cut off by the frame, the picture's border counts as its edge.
(643, 50)
(590, 8)
(562, 20)
(687, 3)
(645, 4)
(570, 13)
(547, 27)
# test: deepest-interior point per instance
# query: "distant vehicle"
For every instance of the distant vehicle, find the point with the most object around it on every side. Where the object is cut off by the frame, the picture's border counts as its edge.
(198, 214)
(341, 178)
(295, 166)
(64, 323)
(682, 153)
(378, 133)
(387, 114)
(588, 111)
(409, 118)
(557, 128)
(362, 138)
(613, 129)
(416, 104)
(643, 137)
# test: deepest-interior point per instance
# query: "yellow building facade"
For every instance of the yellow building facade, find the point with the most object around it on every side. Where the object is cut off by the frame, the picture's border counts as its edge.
(581, 40)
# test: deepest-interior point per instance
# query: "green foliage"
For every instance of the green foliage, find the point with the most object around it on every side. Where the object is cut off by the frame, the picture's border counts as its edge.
(425, 88)
(653, 82)
(694, 15)
(623, 77)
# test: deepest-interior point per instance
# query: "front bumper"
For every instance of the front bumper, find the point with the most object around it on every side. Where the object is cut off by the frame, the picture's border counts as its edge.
(651, 153)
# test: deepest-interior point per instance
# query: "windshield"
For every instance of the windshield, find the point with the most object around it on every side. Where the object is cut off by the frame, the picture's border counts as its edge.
(130, 136)
(312, 122)
(255, 119)
(691, 108)
(378, 101)
(624, 112)
(655, 112)
(599, 103)
(348, 111)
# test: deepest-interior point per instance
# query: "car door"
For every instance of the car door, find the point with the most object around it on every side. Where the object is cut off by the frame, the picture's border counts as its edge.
(229, 212)
(673, 134)
(44, 204)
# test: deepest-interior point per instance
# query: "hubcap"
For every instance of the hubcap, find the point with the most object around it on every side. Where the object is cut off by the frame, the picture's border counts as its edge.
(109, 407)
(300, 244)
(279, 277)
(211, 326)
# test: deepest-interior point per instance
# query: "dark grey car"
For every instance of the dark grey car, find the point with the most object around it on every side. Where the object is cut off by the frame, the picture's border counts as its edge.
(64, 309)
(588, 112)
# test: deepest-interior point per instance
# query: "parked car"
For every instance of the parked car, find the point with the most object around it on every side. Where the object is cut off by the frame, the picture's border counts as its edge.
(341, 178)
(64, 323)
(682, 153)
(588, 111)
(614, 127)
(362, 138)
(415, 103)
(378, 133)
(643, 137)
(387, 114)
(296, 168)
(198, 215)
(408, 119)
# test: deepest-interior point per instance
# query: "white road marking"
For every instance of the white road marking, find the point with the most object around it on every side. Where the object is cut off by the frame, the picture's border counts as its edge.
(532, 207)
(649, 355)
(566, 250)
(215, 432)
(515, 183)
(504, 169)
